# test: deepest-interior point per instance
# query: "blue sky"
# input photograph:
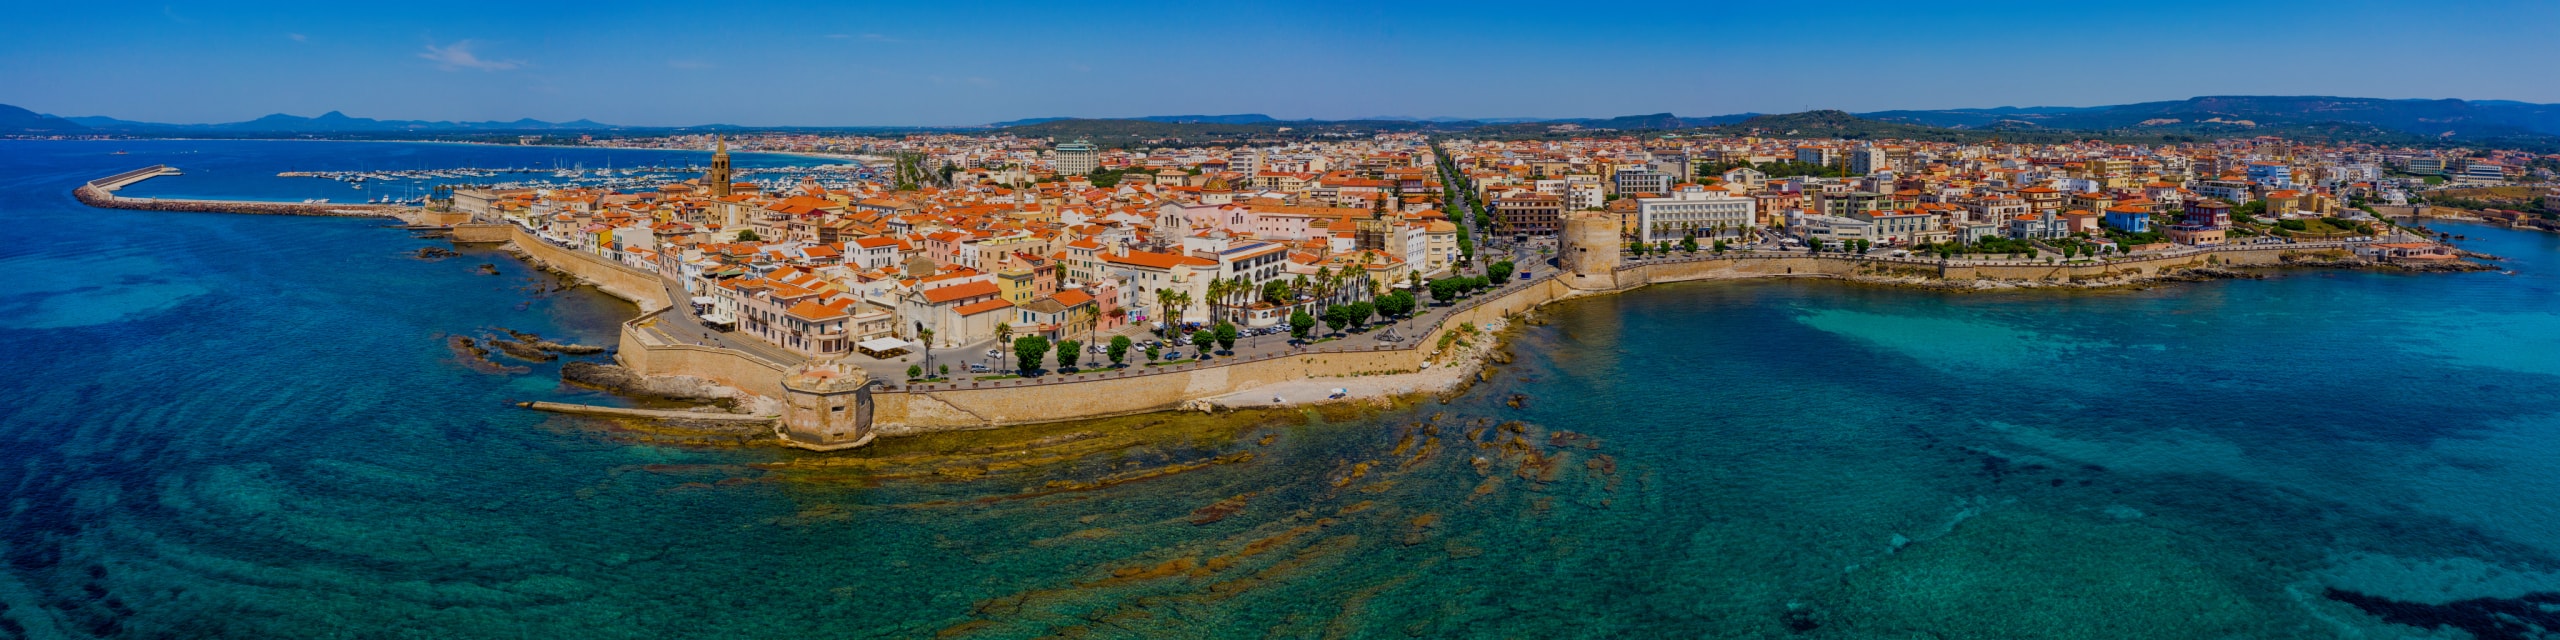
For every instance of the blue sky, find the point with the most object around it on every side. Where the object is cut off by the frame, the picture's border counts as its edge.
(926, 63)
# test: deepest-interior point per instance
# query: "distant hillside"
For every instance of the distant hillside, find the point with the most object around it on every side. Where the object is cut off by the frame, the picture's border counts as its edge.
(14, 120)
(1240, 118)
(335, 122)
(1126, 132)
(2442, 118)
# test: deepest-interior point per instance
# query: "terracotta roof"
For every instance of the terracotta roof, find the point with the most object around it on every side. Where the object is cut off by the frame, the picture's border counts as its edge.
(939, 295)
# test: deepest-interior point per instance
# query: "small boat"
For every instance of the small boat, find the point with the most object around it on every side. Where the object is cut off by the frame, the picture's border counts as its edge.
(118, 152)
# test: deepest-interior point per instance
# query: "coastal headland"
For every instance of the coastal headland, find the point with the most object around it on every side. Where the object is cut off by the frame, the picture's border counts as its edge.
(1434, 362)
(1449, 344)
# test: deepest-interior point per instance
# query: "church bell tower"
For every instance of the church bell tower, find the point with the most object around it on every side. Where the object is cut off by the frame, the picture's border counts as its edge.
(719, 174)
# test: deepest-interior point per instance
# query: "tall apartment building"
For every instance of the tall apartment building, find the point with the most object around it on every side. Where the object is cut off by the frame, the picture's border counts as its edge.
(1633, 180)
(1529, 213)
(1076, 158)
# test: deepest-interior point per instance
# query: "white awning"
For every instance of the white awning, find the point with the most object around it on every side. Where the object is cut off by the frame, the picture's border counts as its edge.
(704, 300)
(882, 344)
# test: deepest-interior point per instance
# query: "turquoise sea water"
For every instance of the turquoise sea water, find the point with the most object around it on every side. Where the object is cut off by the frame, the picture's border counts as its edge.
(248, 426)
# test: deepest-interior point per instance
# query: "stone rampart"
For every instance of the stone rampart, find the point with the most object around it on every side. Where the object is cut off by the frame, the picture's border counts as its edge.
(1131, 391)
(1106, 393)
(643, 351)
(483, 233)
(623, 281)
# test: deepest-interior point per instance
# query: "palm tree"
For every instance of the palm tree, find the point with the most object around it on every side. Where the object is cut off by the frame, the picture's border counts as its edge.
(926, 335)
(1165, 305)
(1217, 292)
(1091, 317)
(1004, 343)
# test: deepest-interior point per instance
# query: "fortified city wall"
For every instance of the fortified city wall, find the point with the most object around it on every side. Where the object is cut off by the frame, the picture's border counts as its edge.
(645, 351)
(623, 281)
(1096, 395)
(1591, 263)
(981, 405)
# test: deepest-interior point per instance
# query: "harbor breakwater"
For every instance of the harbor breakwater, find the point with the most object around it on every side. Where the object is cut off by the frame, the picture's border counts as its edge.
(101, 193)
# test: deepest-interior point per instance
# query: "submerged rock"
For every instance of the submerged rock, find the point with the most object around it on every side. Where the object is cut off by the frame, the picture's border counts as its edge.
(537, 342)
(2012, 573)
(472, 355)
(486, 269)
(435, 253)
(521, 351)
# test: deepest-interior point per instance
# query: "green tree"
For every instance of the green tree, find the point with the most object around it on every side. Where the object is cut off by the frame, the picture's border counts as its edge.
(1396, 305)
(1154, 352)
(1301, 323)
(1635, 249)
(1359, 313)
(1068, 352)
(1443, 290)
(748, 235)
(1029, 351)
(946, 371)
(1226, 335)
(915, 371)
(1337, 317)
(1689, 243)
(1499, 272)
(1118, 350)
(1277, 293)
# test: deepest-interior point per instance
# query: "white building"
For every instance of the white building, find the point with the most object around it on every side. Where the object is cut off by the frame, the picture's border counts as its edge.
(1694, 210)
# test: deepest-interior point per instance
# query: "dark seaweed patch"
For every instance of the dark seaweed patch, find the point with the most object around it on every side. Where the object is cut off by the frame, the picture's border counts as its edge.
(2529, 617)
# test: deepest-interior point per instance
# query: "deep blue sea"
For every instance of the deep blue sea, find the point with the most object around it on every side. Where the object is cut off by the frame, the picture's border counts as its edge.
(250, 426)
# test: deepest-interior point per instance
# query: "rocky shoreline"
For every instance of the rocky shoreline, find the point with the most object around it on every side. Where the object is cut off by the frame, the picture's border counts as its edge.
(2208, 273)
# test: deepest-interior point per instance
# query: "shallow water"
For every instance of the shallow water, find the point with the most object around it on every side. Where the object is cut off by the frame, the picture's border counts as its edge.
(247, 426)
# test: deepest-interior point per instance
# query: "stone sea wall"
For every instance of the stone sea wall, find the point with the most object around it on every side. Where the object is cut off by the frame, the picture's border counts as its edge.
(981, 405)
(644, 351)
(623, 281)
(1096, 395)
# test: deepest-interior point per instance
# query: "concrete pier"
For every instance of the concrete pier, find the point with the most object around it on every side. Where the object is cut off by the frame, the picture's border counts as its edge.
(101, 193)
(651, 414)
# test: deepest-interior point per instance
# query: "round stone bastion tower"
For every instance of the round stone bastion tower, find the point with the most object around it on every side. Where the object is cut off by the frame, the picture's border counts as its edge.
(1588, 251)
(827, 407)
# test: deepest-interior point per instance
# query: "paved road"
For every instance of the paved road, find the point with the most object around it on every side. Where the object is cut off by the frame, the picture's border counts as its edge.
(681, 323)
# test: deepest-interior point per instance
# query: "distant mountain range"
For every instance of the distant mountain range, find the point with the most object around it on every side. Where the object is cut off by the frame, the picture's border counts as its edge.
(2369, 119)
(16, 120)
(331, 122)
(2437, 118)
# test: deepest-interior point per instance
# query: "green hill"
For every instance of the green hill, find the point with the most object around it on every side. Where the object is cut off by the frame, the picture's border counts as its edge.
(14, 120)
